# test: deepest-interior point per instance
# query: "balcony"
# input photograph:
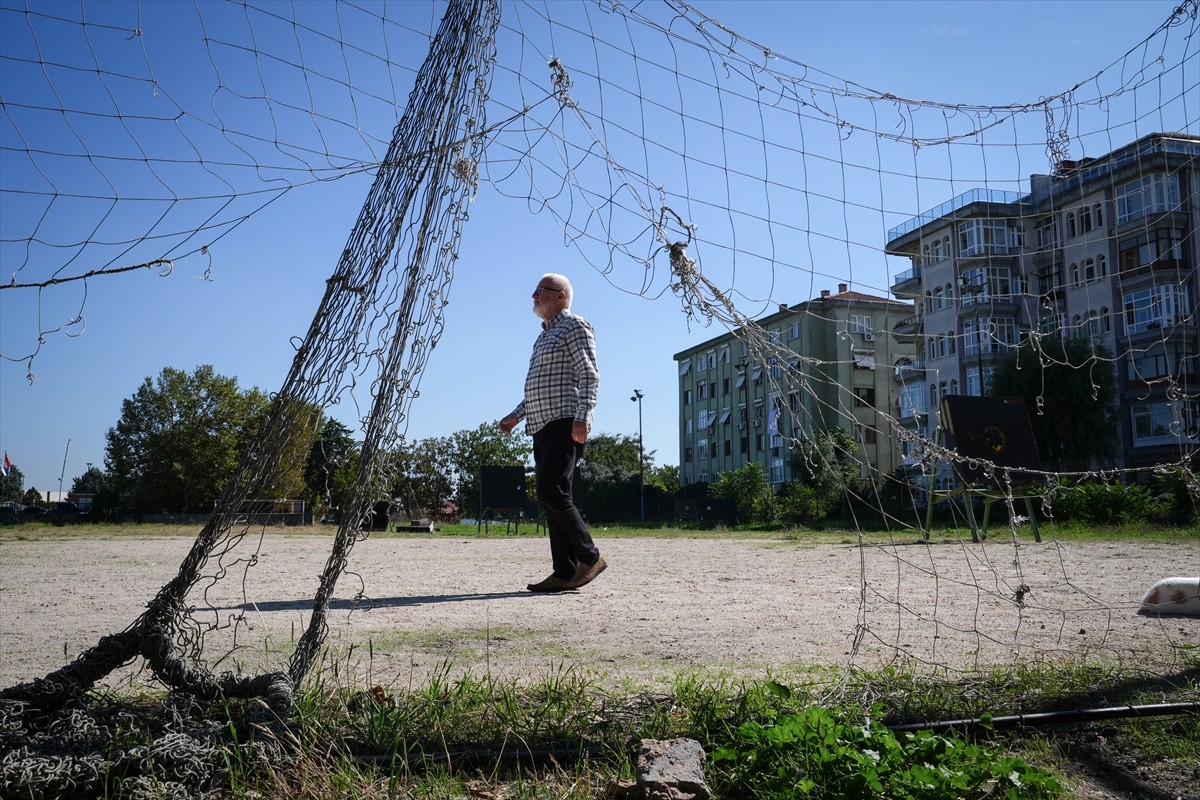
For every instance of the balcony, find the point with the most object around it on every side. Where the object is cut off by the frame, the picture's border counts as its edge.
(908, 329)
(911, 369)
(907, 281)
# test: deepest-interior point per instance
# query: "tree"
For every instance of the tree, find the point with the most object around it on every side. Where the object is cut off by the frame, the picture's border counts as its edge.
(1070, 390)
(90, 482)
(825, 464)
(332, 460)
(12, 486)
(666, 478)
(746, 486)
(485, 446)
(616, 451)
(423, 476)
(180, 437)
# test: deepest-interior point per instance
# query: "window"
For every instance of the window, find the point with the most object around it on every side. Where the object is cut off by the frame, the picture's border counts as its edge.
(864, 396)
(912, 400)
(687, 455)
(701, 390)
(794, 401)
(704, 419)
(980, 236)
(701, 449)
(982, 283)
(1053, 323)
(1072, 231)
(687, 397)
(1153, 364)
(724, 386)
(685, 367)
(757, 376)
(728, 447)
(1161, 244)
(776, 475)
(861, 323)
(1049, 279)
(1098, 210)
(1085, 219)
(935, 251)
(863, 359)
(1046, 232)
(796, 329)
(865, 434)
(726, 413)
(1089, 270)
(1156, 307)
(773, 365)
(983, 335)
(1075, 275)
(1149, 194)
(973, 387)
(711, 359)
(724, 357)
(1165, 421)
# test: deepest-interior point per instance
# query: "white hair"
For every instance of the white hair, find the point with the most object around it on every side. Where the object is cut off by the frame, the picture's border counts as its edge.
(562, 283)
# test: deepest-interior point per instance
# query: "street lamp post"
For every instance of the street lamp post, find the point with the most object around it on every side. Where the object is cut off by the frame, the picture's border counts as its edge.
(637, 398)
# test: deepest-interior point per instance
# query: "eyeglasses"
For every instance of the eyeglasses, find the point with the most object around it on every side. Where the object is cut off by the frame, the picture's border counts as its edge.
(541, 289)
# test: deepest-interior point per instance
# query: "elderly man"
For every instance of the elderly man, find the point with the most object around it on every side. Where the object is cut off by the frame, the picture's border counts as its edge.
(560, 393)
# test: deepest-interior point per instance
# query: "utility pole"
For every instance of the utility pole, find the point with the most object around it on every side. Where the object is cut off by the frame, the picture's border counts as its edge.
(637, 398)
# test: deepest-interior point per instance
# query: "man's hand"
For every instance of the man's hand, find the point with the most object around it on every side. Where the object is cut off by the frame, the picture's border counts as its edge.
(508, 423)
(579, 431)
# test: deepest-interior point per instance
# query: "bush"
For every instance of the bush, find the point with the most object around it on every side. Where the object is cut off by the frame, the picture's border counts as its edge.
(801, 505)
(1102, 503)
(1176, 502)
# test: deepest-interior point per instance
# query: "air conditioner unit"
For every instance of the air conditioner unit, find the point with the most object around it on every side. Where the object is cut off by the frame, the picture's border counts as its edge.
(741, 426)
(869, 336)
(757, 423)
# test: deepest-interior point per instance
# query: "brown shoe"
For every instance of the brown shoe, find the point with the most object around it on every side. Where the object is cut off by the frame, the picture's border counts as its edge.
(552, 584)
(587, 573)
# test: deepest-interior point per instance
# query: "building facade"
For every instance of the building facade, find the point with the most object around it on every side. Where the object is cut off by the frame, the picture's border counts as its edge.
(823, 364)
(1106, 248)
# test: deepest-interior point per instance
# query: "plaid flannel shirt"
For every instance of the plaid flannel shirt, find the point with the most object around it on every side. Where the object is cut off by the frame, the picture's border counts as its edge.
(563, 378)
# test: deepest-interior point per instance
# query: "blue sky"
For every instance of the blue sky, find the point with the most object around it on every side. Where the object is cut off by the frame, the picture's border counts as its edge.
(239, 305)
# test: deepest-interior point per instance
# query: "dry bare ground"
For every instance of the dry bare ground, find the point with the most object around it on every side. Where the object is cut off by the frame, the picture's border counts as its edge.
(721, 605)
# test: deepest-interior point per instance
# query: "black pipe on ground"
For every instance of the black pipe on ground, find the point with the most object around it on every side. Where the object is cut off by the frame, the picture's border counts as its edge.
(1051, 718)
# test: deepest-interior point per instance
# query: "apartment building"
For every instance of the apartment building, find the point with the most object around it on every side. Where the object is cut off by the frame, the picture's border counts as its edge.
(824, 363)
(1105, 248)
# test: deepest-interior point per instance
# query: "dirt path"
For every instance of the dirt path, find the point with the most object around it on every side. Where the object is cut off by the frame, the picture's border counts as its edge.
(664, 606)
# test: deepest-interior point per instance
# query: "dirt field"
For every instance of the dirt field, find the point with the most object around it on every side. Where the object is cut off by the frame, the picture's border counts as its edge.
(665, 606)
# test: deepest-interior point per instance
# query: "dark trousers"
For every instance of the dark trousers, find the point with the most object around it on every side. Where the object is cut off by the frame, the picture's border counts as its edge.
(555, 454)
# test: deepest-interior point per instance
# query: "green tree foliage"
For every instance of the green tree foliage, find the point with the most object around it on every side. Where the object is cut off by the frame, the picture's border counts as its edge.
(32, 497)
(826, 464)
(332, 460)
(12, 486)
(665, 478)
(486, 446)
(747, 487)
(616, 451)
(91, 481)
(422, 476)
(1070, 390)
(612, 480)
(179, 439)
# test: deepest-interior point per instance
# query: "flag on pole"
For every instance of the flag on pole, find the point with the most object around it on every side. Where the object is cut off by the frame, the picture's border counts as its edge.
(7, 465)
